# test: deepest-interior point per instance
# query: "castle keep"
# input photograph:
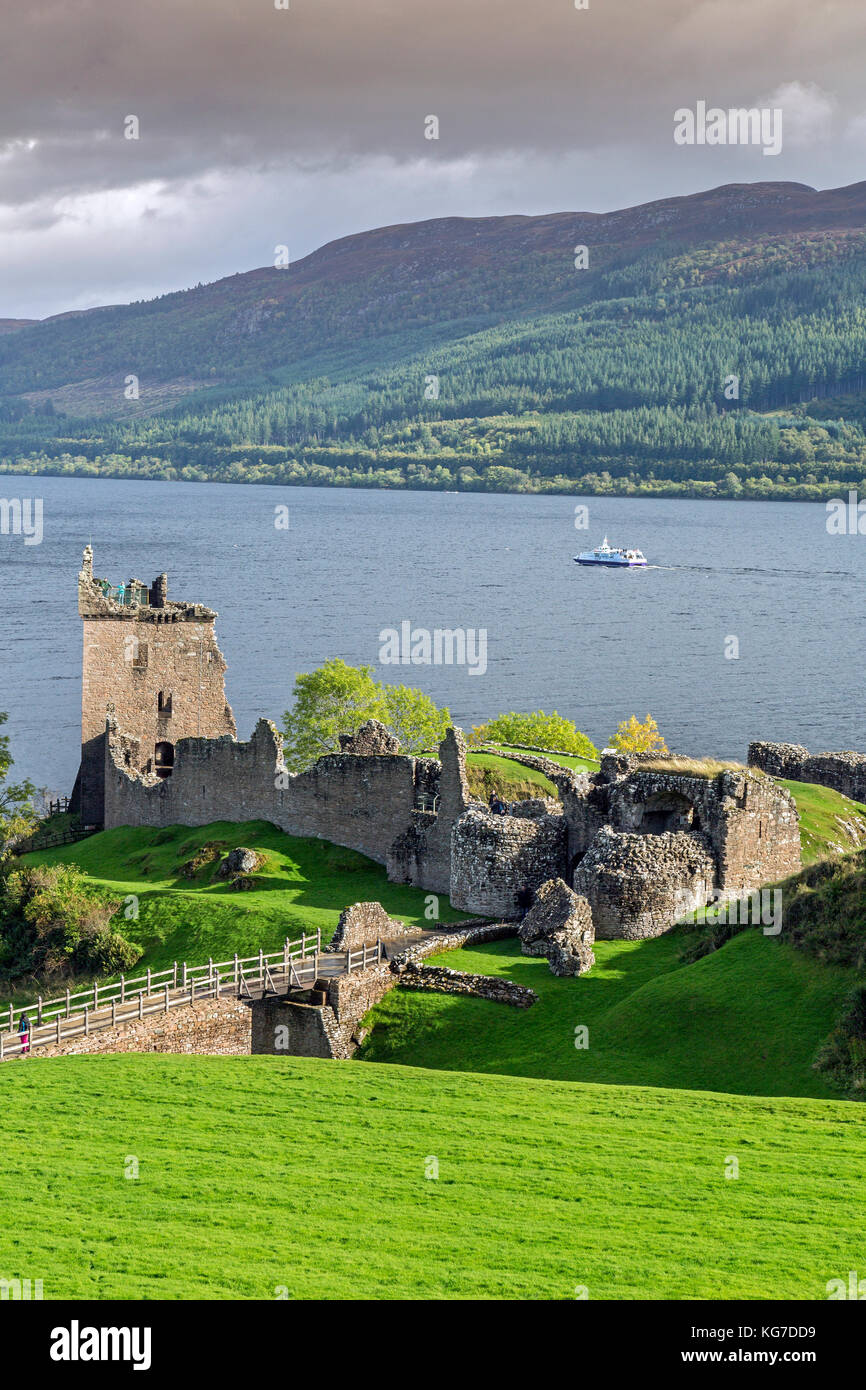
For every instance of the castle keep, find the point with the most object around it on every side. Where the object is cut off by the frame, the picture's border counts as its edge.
(641, 842)
(151, 665)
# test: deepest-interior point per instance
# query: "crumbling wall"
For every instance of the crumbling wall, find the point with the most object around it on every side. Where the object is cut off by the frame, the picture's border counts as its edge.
(372, 738)
(421, 852)
(438, 979)
(639, 885)
(363, 924)
(361, 802)
(759, 836)
(497, 862)
(213, 779)
(750, 824)
(559, 927)
(845, 772)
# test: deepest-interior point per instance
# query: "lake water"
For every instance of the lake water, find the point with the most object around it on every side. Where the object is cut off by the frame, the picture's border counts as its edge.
(597, 645)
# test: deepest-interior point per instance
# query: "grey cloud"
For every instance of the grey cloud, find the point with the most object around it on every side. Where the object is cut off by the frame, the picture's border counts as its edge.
(312, 119)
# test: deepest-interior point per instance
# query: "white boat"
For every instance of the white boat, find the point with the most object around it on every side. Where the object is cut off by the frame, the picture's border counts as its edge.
(613, 558)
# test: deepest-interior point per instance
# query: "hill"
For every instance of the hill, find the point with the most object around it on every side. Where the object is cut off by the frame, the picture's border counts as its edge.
(748, 1018)
(473, 353)
(185, 912)
(282, 1177)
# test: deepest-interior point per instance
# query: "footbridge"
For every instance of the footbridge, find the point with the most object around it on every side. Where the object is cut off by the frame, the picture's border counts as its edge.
(296, 968)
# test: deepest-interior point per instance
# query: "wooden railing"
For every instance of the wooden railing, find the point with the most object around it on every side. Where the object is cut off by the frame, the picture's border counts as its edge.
(53, 1021)
(37, 842)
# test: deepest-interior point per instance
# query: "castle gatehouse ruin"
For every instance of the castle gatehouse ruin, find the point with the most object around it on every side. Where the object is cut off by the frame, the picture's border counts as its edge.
(641, 841)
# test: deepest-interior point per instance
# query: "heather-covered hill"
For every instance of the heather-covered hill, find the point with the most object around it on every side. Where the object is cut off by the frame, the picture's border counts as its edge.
(439, 352)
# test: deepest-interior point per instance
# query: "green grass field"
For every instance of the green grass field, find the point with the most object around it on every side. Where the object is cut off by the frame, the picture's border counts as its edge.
(487, 772)
(264, 1174)
(267, 1177)
(302, 884)
(830, 823)
(749, 1018)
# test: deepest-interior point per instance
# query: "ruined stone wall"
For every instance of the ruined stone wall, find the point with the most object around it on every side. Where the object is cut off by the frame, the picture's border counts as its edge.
(845, 772)
(438, 979)
(363, 924)
(750, 824)
(213, 779)
(421, 853)
(498, 861)
(469, 933)
(759, 840)
(215, 1027)
(638, 886)
(361, 802)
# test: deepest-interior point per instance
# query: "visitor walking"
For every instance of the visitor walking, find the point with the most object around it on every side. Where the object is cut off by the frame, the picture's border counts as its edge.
(24, 1031)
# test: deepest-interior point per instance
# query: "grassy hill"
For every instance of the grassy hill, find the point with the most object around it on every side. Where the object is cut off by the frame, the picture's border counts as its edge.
(830, 823)
(610, 378)
(263, 1175)
(187, 913)
(748, 1018)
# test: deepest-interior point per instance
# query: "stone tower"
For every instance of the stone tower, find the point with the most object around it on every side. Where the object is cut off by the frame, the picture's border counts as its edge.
(154, 667)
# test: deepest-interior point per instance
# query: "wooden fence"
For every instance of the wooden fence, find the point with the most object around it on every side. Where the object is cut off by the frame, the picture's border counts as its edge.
(297, 965)
(63, 837)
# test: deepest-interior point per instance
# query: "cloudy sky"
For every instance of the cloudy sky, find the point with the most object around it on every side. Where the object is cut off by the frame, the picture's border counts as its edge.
(261, 126)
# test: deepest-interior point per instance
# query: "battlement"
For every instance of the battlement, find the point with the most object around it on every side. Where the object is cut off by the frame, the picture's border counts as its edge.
(133, 599)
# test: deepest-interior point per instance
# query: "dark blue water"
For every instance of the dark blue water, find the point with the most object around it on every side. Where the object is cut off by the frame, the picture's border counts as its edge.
(596, 645)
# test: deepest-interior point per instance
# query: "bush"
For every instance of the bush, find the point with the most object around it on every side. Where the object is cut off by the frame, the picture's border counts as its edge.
(632, 736)
(538, 730)
(55, 925)
(842, 1057)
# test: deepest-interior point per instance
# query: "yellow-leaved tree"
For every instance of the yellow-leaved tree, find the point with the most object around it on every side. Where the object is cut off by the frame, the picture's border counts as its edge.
(632, 736)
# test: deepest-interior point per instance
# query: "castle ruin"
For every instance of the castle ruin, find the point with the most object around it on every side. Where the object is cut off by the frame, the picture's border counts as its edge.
(642, 841)
(151, 665)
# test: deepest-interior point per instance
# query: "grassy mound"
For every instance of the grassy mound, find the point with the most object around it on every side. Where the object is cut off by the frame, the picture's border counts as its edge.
(708, 768)
(264, 1177)
(747, 1019)
(830, 823)
(486, 773)
(186, 912)
(513, 781)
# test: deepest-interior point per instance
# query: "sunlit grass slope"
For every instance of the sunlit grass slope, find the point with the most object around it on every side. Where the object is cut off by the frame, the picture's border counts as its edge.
(302, 884)
(748, 1018)
(257, 1175)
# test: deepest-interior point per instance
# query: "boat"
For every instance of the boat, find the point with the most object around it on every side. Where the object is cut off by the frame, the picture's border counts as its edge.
(614, 558)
